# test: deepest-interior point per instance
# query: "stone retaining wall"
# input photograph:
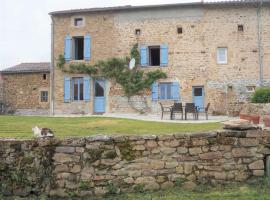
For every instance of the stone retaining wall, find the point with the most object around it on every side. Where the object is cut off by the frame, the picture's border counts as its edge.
(101, 164)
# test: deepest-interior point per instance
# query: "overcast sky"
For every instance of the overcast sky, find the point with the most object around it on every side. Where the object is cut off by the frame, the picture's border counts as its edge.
(25, 25)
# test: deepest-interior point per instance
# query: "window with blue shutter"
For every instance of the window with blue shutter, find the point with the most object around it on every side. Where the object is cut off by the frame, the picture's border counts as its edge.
(164, 55)
(86, 88)
(144, 55)
(175, 91)
(154, 91)
(68, 42)
(87, 47)
(67, 89)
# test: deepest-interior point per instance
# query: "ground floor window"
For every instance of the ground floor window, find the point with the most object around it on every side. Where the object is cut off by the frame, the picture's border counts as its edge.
(165, 91)
(77, 85)
(44, 96)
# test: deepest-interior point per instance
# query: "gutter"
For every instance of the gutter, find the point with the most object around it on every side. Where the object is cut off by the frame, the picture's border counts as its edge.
(52, 69)
(259, 41)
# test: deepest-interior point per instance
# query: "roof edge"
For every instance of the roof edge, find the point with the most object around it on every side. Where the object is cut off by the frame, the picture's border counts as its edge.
(129, 7)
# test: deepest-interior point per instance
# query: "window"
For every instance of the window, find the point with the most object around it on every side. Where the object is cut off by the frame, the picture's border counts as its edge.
(138, 32)
(179, 30)
(44, 96)
(77, 85)
(154, 55)
(78, 21)
(251, 89)
(222, 55)
(165, 91)
(44, 76)
(240, 28)
(78, 48)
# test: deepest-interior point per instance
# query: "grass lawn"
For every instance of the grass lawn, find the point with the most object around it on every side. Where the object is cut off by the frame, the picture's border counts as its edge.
(21, 126)
(256, 191)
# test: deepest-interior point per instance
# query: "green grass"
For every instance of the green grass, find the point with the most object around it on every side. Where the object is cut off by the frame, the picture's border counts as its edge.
(21, 126)
(234, 192)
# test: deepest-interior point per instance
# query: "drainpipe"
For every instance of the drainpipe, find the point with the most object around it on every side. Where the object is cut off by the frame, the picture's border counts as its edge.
(52, 68)
(259, 36)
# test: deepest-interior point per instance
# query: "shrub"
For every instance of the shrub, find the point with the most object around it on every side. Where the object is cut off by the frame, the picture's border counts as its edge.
(261, 95)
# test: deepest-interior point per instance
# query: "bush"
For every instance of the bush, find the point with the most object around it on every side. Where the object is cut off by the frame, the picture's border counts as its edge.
(261, 95)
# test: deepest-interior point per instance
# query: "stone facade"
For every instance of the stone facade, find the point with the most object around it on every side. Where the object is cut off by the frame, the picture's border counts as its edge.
(191, 55)
(102, 164)
(22, 92)
(261, 109)
(1, 89)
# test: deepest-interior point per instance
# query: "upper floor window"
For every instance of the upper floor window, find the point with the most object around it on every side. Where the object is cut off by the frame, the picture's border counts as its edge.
(222, 55)
(78, 21)
(77, 89)
(154, 55)
(78, 50)
(44, 76)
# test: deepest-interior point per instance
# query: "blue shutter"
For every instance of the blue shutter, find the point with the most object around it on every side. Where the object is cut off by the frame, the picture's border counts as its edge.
(87, 47)
(68, 48)
(175, 91)
(164, 55)
(154, 91)
(67, 89)
(144, 56)
(86, 88)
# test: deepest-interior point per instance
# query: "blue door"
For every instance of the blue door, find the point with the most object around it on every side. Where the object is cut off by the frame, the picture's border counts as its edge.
(99, 96)
(198, 97)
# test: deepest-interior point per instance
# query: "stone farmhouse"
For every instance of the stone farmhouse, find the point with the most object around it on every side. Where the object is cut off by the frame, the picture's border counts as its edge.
(212, 53)
(26, 88)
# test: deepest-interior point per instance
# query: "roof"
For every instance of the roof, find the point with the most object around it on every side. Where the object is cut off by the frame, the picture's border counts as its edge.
(129, 7)
(28, 68)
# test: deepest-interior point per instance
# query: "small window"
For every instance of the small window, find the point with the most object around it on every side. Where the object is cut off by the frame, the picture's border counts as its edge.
(179, 30)
(78, 48)
(78, 21)
(198, 92)
(251, 89)
(240, 28)
(165, 91)
(44, 96)
(222, 55)
(44, 76)
(138, 32)
(154, 56)
(77, 85)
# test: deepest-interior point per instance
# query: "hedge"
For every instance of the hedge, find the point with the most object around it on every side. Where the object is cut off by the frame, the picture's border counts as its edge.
(261, 95)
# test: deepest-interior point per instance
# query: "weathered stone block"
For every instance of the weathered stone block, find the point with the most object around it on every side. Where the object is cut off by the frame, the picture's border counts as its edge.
(195, 151)
(182, 150)
(65, 149)
(248, 142)
(210, 155)
(259, 164)
(258, 172)
(64, 158)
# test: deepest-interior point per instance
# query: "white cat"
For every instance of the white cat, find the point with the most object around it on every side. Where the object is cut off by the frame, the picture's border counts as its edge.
(42, 132)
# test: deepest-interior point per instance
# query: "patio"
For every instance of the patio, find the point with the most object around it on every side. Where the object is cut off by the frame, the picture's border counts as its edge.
(166, 118)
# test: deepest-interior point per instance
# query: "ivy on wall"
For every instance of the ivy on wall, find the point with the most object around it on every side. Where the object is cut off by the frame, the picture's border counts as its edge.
(133, 82)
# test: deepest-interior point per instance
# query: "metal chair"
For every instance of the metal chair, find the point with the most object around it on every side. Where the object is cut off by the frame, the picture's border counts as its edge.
(177, 108)
(206, 111)
(165, 109)
(191, 108)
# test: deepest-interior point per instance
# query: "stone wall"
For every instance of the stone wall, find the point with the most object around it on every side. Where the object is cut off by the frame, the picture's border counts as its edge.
(192, 54)
(234, 109)
(1, 89)
(101, 164)
(22, 93)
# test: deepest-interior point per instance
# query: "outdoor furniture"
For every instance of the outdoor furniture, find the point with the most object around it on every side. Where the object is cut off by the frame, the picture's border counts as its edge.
(191, 108)
(177, 108)
(165, 109)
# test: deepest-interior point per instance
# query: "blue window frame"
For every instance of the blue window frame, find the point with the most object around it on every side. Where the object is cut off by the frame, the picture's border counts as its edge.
(77, 88)
(165, 91)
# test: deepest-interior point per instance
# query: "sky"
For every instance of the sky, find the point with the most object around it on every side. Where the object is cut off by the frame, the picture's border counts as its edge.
(25, 25)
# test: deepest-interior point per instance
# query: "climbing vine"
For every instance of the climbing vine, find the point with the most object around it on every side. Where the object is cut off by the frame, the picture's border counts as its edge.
(133, 81)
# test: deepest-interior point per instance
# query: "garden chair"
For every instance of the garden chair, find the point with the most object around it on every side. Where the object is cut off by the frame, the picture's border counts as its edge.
(165, 109)
(177, 108)
(191, 108)
(206, 111)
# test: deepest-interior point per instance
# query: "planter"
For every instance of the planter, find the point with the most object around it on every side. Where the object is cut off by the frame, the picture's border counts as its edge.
(255, 119)
(266, 121)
